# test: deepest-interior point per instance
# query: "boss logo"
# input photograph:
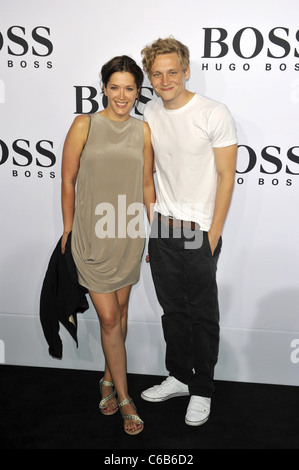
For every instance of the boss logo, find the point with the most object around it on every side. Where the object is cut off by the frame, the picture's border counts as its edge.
(23, 156)
(249, 42)
(272, 161)
(19, 41)
(87, 100)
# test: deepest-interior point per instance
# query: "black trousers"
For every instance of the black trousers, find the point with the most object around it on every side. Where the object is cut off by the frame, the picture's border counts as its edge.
(184, 274)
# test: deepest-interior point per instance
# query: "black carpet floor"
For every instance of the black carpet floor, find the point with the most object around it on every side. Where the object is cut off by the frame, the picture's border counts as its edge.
(44, 408)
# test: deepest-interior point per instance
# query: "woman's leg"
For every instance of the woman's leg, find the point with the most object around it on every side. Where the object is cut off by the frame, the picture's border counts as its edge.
(123, 302)
(112, 311)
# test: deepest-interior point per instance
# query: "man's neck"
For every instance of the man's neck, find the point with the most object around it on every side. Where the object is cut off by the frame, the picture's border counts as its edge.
(180, 102)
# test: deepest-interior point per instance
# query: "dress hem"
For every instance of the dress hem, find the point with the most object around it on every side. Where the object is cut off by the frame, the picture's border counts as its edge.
(110, 290)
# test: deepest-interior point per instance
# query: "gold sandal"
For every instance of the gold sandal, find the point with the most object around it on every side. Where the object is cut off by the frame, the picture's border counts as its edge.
(104, 401)
(139, 423)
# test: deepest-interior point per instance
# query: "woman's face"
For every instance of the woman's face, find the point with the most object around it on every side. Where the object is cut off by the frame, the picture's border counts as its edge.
(122, 93)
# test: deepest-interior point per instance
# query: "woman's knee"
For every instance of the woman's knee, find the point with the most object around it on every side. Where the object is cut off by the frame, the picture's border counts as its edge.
(110, 320)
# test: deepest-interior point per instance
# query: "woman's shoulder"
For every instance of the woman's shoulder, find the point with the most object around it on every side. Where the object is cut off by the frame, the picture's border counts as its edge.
(82, 121)
(80, 127)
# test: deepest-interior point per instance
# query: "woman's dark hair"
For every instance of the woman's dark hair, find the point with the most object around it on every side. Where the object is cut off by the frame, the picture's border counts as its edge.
(121, 64)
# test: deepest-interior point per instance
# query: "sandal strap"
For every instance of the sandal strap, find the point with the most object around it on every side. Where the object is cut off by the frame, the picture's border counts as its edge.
(106, 399)
(106, 383)
(129, 401)
(133, 418)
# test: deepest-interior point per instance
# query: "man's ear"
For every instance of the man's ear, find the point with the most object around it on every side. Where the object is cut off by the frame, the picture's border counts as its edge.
(187, 74)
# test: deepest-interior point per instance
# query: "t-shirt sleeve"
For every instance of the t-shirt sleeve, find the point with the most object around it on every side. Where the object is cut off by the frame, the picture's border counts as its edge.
(222, 127)
(146, 112)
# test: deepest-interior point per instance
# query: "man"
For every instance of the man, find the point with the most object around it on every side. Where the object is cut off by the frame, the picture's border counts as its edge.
(195, 144)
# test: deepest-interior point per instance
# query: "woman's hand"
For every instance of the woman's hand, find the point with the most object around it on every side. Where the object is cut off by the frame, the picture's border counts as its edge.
(63, 241)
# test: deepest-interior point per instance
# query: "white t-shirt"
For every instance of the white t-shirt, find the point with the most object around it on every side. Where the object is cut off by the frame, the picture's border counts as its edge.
(183, 142)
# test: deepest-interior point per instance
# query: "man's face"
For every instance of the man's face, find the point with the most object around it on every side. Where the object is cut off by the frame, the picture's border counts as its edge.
(169, 80)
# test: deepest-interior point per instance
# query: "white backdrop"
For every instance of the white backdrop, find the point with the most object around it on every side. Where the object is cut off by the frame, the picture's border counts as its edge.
(246, 55)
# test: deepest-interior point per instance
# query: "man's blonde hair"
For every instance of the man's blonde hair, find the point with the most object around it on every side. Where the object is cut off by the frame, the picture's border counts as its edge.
(165, 46)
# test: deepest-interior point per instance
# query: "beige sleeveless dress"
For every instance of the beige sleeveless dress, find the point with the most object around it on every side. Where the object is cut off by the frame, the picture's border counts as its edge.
(108, 233)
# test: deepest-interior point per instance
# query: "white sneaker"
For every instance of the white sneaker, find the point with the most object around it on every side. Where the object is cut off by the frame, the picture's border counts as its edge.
(170, 388)
(198, 411)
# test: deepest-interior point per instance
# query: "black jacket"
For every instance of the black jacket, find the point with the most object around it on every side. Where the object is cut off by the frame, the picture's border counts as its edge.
(61, 298)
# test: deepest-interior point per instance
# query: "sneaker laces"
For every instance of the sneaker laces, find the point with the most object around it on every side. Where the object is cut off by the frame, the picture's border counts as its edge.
(166, 383)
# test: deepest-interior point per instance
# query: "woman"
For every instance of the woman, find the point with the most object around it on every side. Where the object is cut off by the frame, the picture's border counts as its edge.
(109, 155)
